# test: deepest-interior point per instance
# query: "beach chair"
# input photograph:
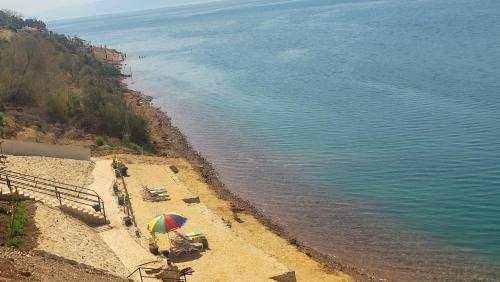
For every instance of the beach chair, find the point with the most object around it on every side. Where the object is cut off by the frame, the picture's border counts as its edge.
(169, 273)
(181, 244)
(194, 237)
(173, 274)
(155, 194)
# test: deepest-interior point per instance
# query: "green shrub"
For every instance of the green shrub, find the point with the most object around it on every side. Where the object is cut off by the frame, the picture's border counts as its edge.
(44, 128)
(4, 210)
(100, 140)
(133, 146)
(16, 227)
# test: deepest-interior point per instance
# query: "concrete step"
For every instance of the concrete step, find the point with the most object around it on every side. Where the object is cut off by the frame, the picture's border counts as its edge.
(51, 200)
(103, 228)
(84, 212)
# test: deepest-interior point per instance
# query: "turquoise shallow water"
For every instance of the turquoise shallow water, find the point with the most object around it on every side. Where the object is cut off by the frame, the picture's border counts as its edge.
(370, 129)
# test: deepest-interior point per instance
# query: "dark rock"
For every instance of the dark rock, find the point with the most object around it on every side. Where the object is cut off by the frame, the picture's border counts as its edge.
(25, 273)
(174, 169)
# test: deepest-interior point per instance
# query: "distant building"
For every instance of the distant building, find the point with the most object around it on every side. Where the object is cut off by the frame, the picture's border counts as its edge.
(29, 29)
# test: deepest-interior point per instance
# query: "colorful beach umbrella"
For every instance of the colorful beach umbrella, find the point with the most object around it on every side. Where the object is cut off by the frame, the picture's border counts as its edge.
(166, 222)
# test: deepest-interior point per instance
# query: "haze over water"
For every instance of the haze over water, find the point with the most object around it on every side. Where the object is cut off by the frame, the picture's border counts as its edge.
(370, 129)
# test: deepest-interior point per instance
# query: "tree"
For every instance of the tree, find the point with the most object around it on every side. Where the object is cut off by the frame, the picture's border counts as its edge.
(10, 19)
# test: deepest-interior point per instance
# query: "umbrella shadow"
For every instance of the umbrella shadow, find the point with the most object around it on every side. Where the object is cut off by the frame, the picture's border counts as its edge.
(184, 257)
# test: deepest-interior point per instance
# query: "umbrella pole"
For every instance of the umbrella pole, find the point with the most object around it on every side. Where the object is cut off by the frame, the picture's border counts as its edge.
(170, 240)
(153, 245)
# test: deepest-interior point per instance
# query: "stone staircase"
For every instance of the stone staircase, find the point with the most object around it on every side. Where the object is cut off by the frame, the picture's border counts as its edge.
(77, 201)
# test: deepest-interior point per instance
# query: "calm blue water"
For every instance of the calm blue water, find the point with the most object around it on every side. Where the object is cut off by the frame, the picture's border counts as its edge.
(370, 129)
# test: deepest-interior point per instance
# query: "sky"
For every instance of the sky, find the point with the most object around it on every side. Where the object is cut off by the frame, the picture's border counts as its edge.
(33, 7)
(61, 9)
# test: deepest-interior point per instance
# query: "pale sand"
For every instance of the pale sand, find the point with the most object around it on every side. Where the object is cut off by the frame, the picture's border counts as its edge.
(247, 251)
(68, 237)
(230, 258)
(63, 170)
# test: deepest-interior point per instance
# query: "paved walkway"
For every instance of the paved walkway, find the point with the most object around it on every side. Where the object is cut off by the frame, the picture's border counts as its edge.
(117, 238)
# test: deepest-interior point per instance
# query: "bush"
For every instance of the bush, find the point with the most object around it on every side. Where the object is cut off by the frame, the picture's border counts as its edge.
(16, 227)
(133, 146)
(100, 140)
(44, 128)
(4, 211)
(13, 20)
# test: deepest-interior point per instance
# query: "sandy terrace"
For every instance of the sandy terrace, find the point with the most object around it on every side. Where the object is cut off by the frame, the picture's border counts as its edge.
(63, 170)
(243, 252)
(230, 258)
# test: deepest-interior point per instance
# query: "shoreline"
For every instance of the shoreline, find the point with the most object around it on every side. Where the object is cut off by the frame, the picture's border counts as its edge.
(169, 141)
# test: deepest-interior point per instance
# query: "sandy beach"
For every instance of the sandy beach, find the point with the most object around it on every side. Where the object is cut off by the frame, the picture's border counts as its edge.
(245, 250)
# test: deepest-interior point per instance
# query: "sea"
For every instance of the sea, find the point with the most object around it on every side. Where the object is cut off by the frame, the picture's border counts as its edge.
(369, 129)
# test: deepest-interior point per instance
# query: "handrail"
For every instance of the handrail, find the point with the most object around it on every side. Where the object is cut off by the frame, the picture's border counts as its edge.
(35, 186)
(62, 191)
(64, 195)
(140, 272)
(140, 268)
(51, 182)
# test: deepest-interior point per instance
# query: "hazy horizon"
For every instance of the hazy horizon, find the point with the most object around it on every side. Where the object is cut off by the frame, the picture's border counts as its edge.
(58, 10)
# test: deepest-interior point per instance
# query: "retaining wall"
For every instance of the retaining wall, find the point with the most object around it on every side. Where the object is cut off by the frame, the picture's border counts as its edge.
(19, 148)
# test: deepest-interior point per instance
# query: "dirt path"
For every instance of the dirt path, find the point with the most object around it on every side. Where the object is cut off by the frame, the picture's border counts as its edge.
(130, 253)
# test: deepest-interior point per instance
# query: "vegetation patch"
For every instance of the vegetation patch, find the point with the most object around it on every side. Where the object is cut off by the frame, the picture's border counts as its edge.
(4, 222)
(101, 140)
(18, 220)
(61, 79)
(13, 21)
(2, 123)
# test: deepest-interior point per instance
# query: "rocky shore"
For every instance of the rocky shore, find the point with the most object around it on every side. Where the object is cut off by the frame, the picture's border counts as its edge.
(168, 141)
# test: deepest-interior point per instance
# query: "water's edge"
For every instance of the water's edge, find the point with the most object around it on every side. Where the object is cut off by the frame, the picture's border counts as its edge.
(181, 147)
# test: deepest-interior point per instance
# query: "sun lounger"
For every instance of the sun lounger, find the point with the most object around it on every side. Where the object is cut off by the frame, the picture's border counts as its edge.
(194, 237)
(181, 244)
(155, 194)
(183, 247)
(171, 273)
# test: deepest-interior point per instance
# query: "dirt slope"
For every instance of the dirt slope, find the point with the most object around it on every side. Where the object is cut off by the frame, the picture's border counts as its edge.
(40, 266)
